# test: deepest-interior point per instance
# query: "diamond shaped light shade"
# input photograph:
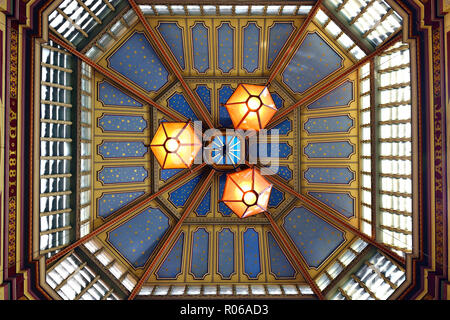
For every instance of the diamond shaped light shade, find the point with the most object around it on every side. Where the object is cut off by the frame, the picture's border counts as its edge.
(251, 107)
(246, 192)
(175, 145)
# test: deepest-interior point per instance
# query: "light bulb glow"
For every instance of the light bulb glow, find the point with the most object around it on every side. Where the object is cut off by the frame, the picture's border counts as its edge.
(254, 103)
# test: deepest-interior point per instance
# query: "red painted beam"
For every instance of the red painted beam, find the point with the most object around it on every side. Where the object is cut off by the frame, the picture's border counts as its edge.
(114, 78)
(325, 87)
(294, 43)
(173, 66)
(121, 216)
(172, 236)
(294, 256)
(330, 217)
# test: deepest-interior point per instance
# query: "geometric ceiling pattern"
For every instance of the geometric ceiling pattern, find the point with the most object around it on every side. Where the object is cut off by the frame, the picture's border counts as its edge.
(168, 227)
(213, 246)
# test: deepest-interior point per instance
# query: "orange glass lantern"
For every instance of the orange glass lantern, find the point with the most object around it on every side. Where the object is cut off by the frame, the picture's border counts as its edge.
(246, 192)
(251, 107)
(175, 145)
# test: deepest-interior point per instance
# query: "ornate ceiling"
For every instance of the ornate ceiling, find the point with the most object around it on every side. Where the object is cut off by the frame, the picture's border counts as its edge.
(147, 232)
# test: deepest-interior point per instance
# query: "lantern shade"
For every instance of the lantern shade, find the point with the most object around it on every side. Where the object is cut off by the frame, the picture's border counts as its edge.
(175, 145)
(251, 107)
(246, 192)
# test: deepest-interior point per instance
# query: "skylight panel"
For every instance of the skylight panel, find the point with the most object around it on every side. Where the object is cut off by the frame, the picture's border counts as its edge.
(357, 53)
(274, 289)
(162, 9)
(333, 28)
(178, 10)
(321, 16)
(146, 9)
(305, 289)
(258, 289)
(193, 10)
(226, 10)
(303, 10)
(289, 10)
(161, 290)
(209, 10)
(146, 290)
(226, 289)
(273, 10)
(241, 10)
(177, 290)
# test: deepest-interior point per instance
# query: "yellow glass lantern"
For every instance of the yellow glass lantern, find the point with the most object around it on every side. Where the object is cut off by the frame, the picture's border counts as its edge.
(246, 192)
(251, 107)
(175, 145)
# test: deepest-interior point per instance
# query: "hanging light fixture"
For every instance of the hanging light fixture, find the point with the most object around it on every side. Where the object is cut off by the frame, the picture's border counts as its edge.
(175, 145)
(251, 107)
(246, 192)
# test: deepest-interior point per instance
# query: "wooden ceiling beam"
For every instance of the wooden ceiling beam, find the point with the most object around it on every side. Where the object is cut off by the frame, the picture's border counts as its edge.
(117, 219)
(163, 50)
(105, 72)
(327, 216)
(170, 240)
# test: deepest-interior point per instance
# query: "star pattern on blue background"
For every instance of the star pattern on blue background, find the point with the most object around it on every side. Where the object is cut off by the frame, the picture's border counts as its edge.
(328, 124)
(315, 238)
(279, 264)
(137, 238)
(173, 35)
(200, 253)
(252, 263)
(251, 47)
(200, 48)
(330, 175)
(336, 149)
(225, 253)
(136, 60)
(122, 123)
(225, 34)
(338, 97)
(110, 95)
(313, 61)
(122, 149)
(171, 266)
(109, 203)
(344, 203)
(278, 35)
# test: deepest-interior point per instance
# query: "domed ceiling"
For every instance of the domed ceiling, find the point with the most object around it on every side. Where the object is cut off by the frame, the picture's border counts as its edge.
(164, 231)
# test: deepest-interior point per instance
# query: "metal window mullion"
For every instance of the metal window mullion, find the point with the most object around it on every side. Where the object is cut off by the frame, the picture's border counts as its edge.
(64, 281)
(363, 285)
(384, 17)
(364, 10)
(106, 296)
(345, 294)
(339, 8)
(90, 284)
(73, 23)
(52, 213)
(56, 67)
(60, 36)
(56, 103)
(47, 232)
(398, 230)
(109, 5)
(395, 86)
(374, 98)
(56, 85)
(394, 104)
(381, 274)
(91, 13)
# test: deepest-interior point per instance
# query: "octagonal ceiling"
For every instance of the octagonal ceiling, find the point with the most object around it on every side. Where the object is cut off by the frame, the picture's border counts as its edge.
(166, 227)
